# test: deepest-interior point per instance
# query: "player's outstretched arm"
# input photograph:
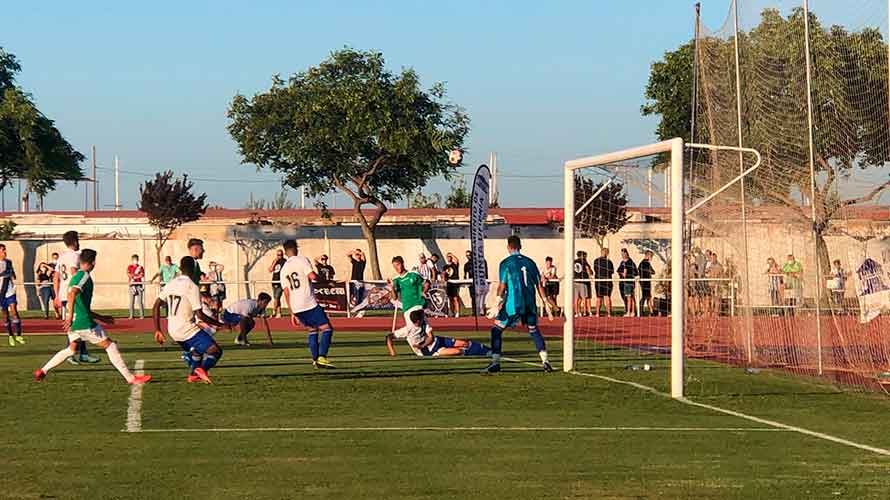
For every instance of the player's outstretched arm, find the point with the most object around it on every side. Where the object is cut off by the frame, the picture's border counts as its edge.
(156, 318)
(208, 319)
(268, 330)
(389, 344)
(69, 314)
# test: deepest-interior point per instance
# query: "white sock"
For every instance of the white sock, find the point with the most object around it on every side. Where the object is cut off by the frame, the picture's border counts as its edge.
(114, 355)
(496, 359)
(543, 355)
(58, 359)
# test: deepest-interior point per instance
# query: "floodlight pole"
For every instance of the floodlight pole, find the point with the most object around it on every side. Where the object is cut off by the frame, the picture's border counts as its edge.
(95, 183)
(806, 34)
(117, 184)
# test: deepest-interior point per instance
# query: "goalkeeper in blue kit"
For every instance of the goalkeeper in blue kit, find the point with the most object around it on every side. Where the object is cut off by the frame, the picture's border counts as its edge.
(519, 281)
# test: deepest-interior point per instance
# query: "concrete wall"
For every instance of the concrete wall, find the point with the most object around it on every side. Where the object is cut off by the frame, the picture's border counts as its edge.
(248, 250)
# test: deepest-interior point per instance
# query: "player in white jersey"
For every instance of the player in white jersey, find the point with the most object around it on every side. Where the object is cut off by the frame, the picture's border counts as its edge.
(296, 280)
(183, 301)
(8, 300)
(242, 314)
(66, 267)
(419, 336)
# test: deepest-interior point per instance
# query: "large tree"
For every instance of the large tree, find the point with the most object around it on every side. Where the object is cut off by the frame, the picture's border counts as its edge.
(607, 212)
(849, 102)
(350, 124)
(31, 147)
(169, 203)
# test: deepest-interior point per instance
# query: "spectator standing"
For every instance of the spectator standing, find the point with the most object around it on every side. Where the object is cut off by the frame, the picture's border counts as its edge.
(135, 277)
(54, 261)
(793, 271)
(551, 284)
(437, 266)
(581, 291)
(837, 283)
(324, 270)
(275, 269)
(217, 285)
(714, 272)
(627, 271)
(358, 261)
(451, 273)
(426, 269)
(44, 275)
(168, 271)
(775, 283)
(646, 272)
(603, 270)
(663, 289)
(468, 266)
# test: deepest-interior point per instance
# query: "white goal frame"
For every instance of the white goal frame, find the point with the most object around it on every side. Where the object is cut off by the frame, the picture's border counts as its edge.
(678, 215)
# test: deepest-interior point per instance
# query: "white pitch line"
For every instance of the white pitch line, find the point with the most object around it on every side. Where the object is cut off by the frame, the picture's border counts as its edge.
(752, 418)
(134, 406)
(476, 429)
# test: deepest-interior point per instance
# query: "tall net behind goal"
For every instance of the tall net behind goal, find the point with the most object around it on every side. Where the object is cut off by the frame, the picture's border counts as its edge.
(629, 274)
(804, 239)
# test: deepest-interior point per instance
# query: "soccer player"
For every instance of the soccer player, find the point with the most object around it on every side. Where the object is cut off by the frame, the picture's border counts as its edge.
(277, 291)
(296, 280)
(67, 266)
(8, 300)
(408, 287)
(183, 301)
(519, 280)
(196, 252)
(80, 323)
(421, 340)
(242, 314)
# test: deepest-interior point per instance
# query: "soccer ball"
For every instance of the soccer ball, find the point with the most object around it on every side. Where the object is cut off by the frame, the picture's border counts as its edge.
(455, 156)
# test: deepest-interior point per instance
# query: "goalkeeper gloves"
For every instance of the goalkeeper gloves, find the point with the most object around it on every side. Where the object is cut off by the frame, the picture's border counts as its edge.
(493, 312)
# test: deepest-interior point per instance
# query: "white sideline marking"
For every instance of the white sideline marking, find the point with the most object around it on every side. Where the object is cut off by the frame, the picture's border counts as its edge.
(771, 423)
(477, 429)
(134, 406)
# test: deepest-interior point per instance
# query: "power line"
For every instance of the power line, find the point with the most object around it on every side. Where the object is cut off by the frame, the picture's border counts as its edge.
(200, 179)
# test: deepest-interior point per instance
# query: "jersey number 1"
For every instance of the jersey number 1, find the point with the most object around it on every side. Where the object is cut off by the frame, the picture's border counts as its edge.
(524, 275)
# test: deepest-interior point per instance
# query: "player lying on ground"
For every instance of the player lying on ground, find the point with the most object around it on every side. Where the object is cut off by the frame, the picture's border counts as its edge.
(243, 313)
(183, 300)
(80, 323)
(408, 288)
(519, 279)
(8, 300)
(297, 277)
(421, 340)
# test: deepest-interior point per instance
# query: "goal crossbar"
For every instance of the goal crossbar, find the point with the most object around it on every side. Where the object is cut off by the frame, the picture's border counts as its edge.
(678, 295)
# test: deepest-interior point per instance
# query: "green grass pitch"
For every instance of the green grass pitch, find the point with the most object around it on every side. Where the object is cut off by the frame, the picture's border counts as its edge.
(405, 427)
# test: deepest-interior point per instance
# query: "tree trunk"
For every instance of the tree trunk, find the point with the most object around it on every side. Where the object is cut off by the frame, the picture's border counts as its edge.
(824, 260)
(370, 235)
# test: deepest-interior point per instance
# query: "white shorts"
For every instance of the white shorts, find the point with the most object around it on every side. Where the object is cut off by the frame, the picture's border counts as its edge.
(93, 335)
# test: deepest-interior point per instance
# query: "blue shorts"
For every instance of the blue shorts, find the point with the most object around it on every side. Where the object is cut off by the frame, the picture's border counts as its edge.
(200, 342)
(231, 318)
(528, 318)
(313, 318)
(438, 343)
(8, 301)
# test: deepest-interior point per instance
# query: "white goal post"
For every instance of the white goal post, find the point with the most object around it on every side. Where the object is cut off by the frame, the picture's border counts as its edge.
(678, 293)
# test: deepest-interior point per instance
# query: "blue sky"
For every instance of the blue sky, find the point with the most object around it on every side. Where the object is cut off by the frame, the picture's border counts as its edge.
(151, 81)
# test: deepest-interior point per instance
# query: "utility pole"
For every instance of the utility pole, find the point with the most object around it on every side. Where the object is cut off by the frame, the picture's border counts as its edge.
(493, 192)
(95, 183)
(117, 184)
